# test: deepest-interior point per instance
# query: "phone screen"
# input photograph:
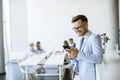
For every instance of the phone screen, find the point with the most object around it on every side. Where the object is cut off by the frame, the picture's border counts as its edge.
(66, 47)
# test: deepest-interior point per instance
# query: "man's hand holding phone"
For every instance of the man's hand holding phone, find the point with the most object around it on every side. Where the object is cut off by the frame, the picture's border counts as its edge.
(72, 52)
(66, 47)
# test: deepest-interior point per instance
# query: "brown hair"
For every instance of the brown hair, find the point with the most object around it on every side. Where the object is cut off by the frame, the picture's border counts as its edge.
(79, 17)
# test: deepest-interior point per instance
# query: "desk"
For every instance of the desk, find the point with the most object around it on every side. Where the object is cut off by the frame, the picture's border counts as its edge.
(33, 61)
(56, 59)
(53, 59)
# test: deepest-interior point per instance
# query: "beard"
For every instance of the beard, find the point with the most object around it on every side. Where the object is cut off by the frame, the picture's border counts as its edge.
(80, 33)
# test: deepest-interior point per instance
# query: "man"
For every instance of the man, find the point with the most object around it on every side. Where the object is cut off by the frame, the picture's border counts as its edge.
(72, 44)
(31, 50)
(31, 69)
(89, 52)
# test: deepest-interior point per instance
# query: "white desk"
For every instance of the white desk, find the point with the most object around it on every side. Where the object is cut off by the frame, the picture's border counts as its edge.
(33, 61)
(56, 59)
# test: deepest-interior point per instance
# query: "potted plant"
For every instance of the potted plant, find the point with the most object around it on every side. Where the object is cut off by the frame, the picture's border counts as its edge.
(105, 40)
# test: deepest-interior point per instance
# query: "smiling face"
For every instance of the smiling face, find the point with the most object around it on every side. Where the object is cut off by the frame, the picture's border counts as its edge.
(80, 27)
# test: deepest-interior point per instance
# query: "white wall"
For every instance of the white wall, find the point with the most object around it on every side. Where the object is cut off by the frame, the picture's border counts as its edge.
(18, 25)
(49, 21)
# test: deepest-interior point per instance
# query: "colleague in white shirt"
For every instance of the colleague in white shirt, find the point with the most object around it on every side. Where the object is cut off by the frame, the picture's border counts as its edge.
(31, 69)
(31, 50)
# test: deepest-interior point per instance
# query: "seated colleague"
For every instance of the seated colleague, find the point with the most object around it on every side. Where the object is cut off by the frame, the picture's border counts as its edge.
(31, 51)
(31, 69)
(72, 43)
(39, 48)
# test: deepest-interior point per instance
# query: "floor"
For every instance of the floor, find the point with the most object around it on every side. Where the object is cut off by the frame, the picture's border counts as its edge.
(13, 73)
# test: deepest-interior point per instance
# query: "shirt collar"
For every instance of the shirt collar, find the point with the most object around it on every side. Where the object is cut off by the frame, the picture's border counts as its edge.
(87, 35)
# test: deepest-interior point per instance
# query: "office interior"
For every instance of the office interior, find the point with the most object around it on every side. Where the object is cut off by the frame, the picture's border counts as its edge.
(49, 21)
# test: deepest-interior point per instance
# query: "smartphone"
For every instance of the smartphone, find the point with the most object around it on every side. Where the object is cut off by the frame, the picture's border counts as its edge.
(66, 47)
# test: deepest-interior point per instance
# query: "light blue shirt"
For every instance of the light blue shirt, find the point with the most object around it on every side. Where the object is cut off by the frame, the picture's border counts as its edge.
(90, 54)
